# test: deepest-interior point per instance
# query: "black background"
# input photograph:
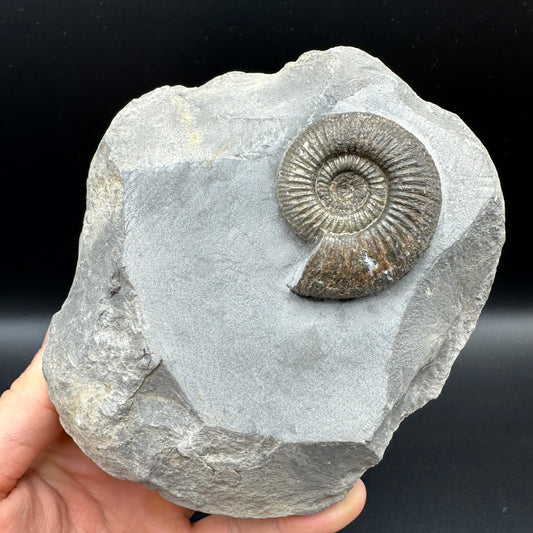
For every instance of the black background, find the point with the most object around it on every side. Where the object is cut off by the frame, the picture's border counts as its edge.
(463, 463)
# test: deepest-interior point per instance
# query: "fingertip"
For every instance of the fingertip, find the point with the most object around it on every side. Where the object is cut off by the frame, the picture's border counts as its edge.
(333, 518)
(37, 358)
(356, 498)
(45, 340)
(347, 510)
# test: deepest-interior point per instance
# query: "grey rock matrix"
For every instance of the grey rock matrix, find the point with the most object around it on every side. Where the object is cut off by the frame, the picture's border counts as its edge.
(181, 359)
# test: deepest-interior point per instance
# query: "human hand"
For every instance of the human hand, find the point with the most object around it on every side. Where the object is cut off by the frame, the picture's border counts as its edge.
(48, 485)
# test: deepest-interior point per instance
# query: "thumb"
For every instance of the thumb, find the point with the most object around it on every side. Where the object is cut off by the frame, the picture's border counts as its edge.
(28, 423)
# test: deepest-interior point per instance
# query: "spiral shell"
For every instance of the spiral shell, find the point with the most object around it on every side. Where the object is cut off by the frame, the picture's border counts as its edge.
(367, 192)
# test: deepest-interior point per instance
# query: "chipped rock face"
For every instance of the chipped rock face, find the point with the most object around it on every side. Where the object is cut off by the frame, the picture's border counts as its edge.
(182, 360)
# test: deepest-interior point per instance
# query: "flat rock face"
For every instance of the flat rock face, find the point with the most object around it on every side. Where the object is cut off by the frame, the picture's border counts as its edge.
(182, 360)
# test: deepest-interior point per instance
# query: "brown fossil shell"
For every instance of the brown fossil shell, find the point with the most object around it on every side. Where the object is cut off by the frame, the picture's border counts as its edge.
(367, 193)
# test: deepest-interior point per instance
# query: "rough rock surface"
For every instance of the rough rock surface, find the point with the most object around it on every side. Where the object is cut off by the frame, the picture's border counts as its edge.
(181, 359)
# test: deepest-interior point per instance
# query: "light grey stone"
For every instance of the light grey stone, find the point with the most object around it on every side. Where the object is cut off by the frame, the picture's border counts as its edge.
(181, 359)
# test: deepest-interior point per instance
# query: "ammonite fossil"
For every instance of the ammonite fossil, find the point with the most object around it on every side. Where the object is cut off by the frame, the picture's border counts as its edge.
(367, 193)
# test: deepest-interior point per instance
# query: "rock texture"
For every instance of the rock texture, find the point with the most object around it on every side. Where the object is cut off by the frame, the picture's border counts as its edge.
(182, 360)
